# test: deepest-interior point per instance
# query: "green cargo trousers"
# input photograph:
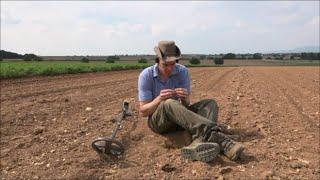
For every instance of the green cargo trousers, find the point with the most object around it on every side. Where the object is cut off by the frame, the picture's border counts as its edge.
(171, 115)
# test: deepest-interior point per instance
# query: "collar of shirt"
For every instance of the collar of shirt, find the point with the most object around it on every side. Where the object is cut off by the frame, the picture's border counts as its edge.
(156, 70)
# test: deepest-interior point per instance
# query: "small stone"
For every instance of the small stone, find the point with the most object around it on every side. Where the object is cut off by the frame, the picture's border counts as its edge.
(52, 151)
(220, 178)
(19, 145)
(234, 123)
(48, 165)
(168, 168)
(268, 174)
(88, 109)
(225, 170)
(194, 172)
(298, 165)
(38, 130)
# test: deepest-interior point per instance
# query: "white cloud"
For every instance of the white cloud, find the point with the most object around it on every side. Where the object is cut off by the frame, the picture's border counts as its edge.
(67, 28)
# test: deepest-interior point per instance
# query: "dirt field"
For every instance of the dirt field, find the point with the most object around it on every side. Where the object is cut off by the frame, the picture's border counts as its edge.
(47, 127)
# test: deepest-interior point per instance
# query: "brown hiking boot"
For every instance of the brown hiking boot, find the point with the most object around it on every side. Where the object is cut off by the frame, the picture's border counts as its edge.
(229, 148)
(201, 151)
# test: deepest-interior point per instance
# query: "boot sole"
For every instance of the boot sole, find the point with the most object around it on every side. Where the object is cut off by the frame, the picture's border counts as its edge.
(204, 152)
(237, 154)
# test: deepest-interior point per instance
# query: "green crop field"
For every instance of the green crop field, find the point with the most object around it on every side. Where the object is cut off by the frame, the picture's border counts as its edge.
(12, 69)
(9, 69)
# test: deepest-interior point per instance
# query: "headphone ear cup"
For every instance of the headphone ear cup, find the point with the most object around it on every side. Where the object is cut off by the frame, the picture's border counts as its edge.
(178, 51)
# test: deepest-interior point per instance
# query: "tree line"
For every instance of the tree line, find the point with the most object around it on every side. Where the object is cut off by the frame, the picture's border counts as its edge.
(12, 55)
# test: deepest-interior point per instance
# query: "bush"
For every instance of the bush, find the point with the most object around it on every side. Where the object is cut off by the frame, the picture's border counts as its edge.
(110, 61)
(218, 61)
(142, 60)
(257, 56)
(38, 58)
(85, 60)
(203, 57)
(194, 61)
(229, 56)
(115, 58)
(29, 57)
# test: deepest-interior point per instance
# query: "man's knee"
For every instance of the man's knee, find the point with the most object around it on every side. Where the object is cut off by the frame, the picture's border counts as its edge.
(210, 102)
(170, 102)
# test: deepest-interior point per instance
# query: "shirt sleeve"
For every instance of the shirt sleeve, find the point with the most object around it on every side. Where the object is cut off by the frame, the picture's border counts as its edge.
(144, 87)
(185, 80)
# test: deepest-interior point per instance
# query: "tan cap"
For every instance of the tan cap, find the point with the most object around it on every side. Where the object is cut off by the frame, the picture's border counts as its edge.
(167, 50)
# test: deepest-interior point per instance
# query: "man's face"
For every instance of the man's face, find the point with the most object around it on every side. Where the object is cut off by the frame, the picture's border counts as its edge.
(166, 68)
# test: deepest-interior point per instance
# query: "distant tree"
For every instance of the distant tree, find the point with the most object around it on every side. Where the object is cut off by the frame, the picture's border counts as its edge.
(115, 58)
(38, 58)
(142, 60)
(203, 57)
(257, 56)
(310, 56)
(194, 61)
(109, 60)
(9, 55)
(29, 57)
(218, 61)
(229, 56)
(85, 60)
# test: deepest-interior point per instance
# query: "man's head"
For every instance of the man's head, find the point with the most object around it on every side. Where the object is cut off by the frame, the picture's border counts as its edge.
(167, 54)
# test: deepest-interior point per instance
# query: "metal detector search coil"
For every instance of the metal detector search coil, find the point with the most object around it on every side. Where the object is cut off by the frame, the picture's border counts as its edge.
(109, 146)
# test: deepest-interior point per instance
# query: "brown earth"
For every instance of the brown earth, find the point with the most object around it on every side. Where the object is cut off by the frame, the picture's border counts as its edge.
(46, 130)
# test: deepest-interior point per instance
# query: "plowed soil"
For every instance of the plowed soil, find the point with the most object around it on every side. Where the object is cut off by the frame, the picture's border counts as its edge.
(48, 123)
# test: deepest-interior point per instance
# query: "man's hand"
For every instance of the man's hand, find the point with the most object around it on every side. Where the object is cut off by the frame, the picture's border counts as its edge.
(166, 94)
(182, 93)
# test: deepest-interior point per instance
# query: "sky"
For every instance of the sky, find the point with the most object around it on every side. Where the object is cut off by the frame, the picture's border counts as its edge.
(59, 28)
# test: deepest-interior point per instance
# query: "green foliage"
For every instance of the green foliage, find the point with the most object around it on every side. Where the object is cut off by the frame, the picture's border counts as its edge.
(194, 61)
(257, 56)
(85, 60)
(38, 58)
(31, 57)
(310, 56)
(110, 61)
(9, 55)
(229, 56)
(203, 57)
(142, 60)
(115, 58)
(218, 61)
(21, 68)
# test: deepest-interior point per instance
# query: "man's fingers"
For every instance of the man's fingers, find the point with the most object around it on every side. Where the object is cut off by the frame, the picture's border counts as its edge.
(167, 91)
